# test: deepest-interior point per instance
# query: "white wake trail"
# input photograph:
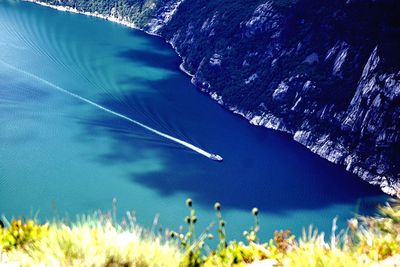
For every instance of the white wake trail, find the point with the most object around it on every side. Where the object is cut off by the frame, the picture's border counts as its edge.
(83, 99)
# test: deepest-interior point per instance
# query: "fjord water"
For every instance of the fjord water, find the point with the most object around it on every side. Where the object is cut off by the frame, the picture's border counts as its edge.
(62, 157)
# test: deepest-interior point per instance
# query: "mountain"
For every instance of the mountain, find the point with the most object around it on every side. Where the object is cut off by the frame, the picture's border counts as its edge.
(327, 72)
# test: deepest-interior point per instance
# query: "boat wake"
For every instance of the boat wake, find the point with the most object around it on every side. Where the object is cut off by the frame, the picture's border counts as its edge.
(83, 99)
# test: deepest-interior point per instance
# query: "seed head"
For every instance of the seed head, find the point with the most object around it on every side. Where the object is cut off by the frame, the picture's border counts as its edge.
(187, 219)
(217, 206)
(254, 211)
(189, 202)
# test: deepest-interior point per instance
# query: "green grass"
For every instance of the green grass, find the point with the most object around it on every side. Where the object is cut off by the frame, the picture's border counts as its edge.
(100, 241)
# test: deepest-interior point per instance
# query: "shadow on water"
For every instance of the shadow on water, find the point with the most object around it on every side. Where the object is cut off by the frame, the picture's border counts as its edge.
(261, 167)
(151, 59)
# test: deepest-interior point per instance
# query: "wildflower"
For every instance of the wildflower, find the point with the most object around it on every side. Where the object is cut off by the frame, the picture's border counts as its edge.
(30, 224)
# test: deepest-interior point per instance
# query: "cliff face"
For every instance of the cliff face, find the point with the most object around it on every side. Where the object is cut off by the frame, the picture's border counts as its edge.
(327, 72)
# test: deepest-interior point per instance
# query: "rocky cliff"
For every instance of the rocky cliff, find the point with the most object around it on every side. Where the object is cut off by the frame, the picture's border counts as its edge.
(327, 72)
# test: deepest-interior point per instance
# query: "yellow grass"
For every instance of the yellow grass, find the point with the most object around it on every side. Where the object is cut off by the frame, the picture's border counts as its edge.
(368, 241)
(92, 243)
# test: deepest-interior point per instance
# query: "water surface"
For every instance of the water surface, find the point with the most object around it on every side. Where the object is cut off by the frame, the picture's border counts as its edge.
(62, 157)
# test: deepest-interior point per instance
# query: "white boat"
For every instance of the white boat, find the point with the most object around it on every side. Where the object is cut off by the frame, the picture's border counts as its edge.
(216, 157)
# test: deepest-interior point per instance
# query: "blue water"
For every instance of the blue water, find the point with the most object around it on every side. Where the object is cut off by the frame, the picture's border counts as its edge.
(61, 157)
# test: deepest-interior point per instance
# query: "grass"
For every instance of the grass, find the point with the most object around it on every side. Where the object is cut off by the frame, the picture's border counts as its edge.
(94, 241)
(100, 241)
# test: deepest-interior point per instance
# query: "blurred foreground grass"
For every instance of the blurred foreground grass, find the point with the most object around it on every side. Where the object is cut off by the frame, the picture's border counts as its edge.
(100, 241)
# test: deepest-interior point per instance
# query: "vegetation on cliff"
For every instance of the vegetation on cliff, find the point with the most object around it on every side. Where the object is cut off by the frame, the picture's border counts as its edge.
(100, 241)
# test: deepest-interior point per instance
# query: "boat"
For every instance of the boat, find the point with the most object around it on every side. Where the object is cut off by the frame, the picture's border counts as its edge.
(216, 157)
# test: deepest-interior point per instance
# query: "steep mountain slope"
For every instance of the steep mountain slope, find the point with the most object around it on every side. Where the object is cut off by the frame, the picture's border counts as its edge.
(327, 72)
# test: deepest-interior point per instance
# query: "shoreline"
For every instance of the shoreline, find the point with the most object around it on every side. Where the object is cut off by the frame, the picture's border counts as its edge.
(132, 25)
(268, 120)
(76, 11)
(123, 22)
